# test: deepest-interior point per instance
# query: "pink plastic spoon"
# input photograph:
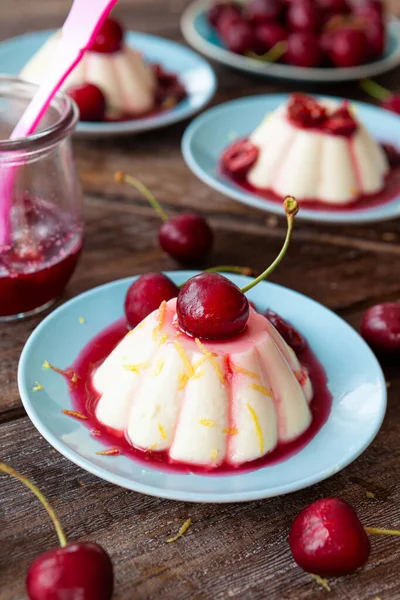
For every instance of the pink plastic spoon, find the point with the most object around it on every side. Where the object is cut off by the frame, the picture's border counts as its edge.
(78, 33)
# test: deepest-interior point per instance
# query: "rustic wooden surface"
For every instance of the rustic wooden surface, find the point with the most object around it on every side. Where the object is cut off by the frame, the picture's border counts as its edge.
(232, 551)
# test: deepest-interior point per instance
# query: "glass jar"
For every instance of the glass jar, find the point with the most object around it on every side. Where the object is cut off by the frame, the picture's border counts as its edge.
(41, 226)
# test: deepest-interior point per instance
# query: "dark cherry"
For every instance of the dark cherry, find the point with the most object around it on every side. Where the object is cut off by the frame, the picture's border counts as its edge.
(327, 538)
(227, 19)
(380, 327)
(303, 15)
(348, 47)
(186, 237)
(291, 336)
(82, 570)
(303, 49)
(340, 122)
(270, 34)
(392, 103)
(146, 294)
(375, 34)
(239, 157)
(220, 9)
(211, 307)
(369, 9)
(334, 7)
(239, 37)
(109, 38)
(261, 11)
(305, 111)
(392, 154)
(90, 100)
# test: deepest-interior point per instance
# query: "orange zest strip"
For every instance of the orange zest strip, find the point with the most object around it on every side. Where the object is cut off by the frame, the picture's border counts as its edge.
(231, 431)
(181, 531)
(160, 319)
(109, 452)
(182, 379)
(137, 368)
(159, 367)
(162, 431)
(185, 360)
(212, 360)
(74, 413)
(257, 427)
(261, 389)
(81, 320)
(152, 447)
(207, 422)
(214, 454)
(37, 387)
(245, 372)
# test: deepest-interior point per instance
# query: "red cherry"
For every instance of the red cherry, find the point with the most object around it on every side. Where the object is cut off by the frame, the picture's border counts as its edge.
(186, 237)
(227, 19)
(380, 327)
(90, 100)
(220, 9)
(109, 37)
(348, 47)
(392, 103)
(270, 34)
(239, 157)
(305, 111)
(146, 294)
(375, 34)
(303, 16)
(334, 7)
(81, 570)
(340, 122)
(260, 11)
(210, 306)
(303, 49)
(240, 38)
(327, 538)
(369, 9)
(291, 336)
(392, 154)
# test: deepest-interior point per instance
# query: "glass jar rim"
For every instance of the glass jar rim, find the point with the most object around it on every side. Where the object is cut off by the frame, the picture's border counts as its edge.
(65, 123)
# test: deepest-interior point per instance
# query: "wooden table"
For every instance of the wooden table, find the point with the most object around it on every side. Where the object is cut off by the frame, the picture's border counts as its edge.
(231, 551)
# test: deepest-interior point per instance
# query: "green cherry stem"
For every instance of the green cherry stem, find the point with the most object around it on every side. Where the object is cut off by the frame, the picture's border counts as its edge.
(122, 177)
(291, 209)
(52, 514)
(377, 531)
(274, 54)
(375, 90)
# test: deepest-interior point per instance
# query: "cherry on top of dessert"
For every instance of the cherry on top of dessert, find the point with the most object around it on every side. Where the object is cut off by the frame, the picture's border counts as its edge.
(146, 294)
(109, 38)
(306, 112)
(90, 100)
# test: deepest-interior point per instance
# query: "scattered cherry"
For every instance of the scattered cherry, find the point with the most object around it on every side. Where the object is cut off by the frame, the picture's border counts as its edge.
(334, 7)
(327, 538)
(291, 336)
(369, 9)
(146, 294)
(348, 47)
(303, 49)
(261, 11)
(375, 34)
(81, 570)
(303, 15)
(210, 306)
(90, 100)
(109, 37)
(220, 9)
(270, 34)
(380, 327)
(227, 19)
(186, 237)
(239, 157)
(240, 38)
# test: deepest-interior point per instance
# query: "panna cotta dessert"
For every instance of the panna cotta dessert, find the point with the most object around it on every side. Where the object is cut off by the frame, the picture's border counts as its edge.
(204, 402)
(113, 80)
(316, 150)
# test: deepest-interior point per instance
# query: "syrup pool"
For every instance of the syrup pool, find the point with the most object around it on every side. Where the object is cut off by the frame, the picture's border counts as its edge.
(390, 192)
(85, 399)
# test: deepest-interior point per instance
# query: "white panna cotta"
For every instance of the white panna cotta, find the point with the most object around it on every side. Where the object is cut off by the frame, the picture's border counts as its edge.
(204, 403)
(312, 164)
(128, 83)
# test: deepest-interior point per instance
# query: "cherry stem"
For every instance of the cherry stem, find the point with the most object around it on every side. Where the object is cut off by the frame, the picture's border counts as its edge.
(291, 209)
(378, 531)
(375, 90)
(52, 514)
(274, 54)
(122, 177)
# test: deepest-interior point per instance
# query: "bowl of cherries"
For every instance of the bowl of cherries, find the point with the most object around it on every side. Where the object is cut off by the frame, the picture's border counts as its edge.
(315, 40)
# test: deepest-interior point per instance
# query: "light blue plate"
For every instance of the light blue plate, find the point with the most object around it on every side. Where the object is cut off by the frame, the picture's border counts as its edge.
(196, 74)
(208, 135)
(354, 375)
(198, 32)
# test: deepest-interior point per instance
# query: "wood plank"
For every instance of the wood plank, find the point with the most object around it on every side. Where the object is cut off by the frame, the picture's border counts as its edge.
(230, 551)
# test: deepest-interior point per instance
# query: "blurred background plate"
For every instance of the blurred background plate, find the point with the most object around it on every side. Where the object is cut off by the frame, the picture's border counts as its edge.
(196, 74)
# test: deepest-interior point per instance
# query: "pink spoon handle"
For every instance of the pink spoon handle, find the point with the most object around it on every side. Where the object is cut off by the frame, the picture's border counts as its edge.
(79, 31)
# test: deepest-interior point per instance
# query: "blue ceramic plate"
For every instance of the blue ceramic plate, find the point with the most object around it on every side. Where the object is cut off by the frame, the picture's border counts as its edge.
(354, 376)
(194, 71)
(199, 34)
(208, 135)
